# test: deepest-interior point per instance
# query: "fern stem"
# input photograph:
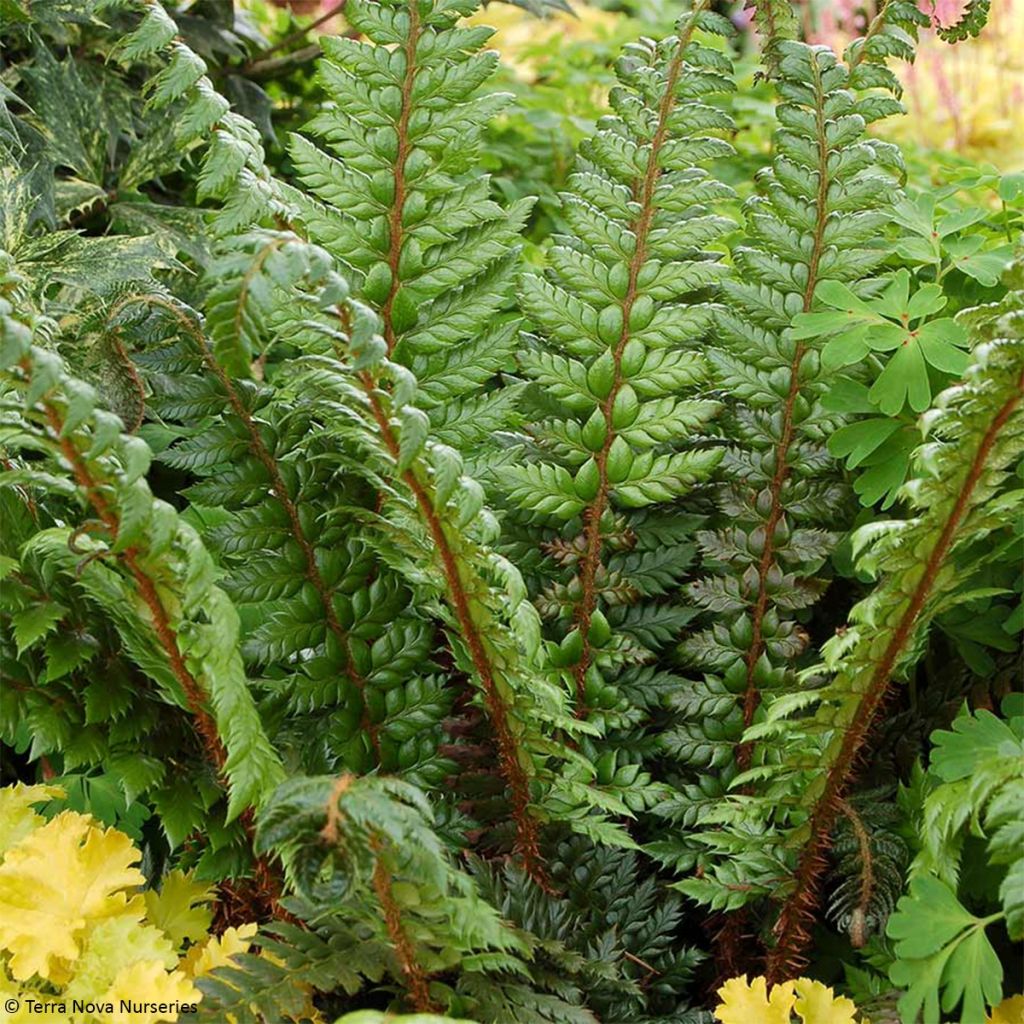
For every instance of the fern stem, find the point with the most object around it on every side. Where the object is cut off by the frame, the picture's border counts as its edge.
(527, 839)
(867, 874)
(91, 487)
(643, 193)
(395, 230)
(416, 979)
(797, 913)
(876, 26)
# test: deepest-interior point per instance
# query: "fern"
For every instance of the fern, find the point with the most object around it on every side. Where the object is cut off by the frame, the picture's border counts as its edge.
(353, 395)
(979, 427)
(776, 24)
(635, 972)
(623, 312)
(809, 226)
(144, 566)
(364, 854)
(972, 21)
(870, 860)
(892, 32)
(978, 431)
(977, 756)
(454, 269)
(292, 562)
(550, 545)
(421, 240)
(233, 167)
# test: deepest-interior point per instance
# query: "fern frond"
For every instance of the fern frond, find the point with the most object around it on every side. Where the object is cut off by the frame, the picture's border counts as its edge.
(623, 312)
(979, 430)
(423, 243)
(232, 164)
(892, 32)
(818, 206)
(870, 861)
(972, 21)
(141, 555)
(975, 771)
(776, 23)
(432, 256)
(364, 851)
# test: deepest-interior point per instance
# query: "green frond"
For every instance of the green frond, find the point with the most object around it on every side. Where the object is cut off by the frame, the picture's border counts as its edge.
(622, 313)
(138, 555)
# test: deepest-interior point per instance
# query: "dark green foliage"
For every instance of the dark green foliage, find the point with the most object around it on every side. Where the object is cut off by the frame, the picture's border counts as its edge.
(810, 227)
(870, 861)
(423, 243)
(340, 654)
(959, 494)
(637, 971)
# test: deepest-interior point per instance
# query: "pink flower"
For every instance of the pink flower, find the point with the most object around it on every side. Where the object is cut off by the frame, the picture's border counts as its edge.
(944, 12)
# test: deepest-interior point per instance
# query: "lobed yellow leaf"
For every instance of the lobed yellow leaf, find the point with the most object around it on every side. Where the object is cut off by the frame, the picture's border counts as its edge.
(147, 982)
(743, 1003)
(180, 908)
(818, 1004)
(751, 1003)
(17, 818)
(217, 951)
(111, 946)
(1009, 1011)
(57, 881)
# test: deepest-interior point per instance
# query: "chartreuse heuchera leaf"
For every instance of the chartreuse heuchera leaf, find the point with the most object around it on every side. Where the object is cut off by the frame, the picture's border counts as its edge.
(743, 1002)
(73, 922)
